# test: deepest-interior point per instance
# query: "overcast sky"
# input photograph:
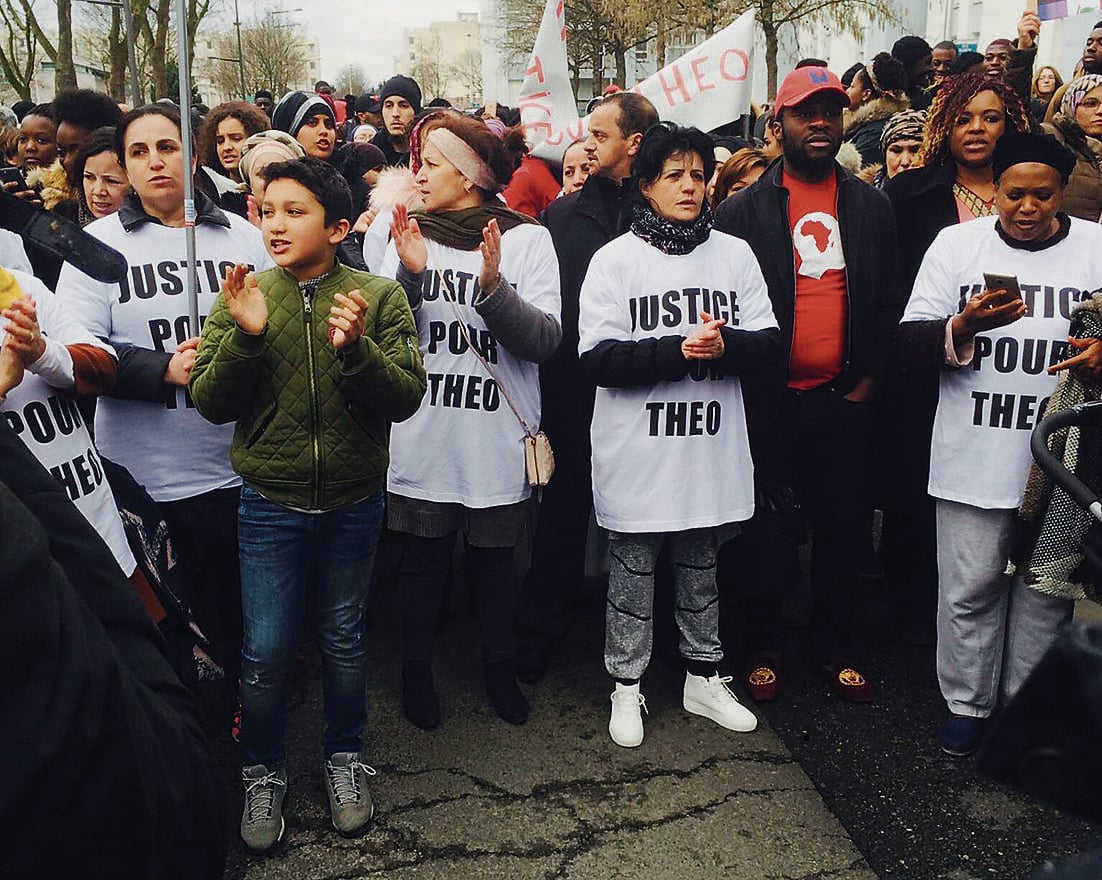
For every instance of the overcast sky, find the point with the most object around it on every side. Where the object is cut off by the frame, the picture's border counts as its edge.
(355, 32)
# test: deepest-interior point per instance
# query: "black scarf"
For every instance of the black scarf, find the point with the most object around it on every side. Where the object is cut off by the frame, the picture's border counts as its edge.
(463, 229)
(671, 236)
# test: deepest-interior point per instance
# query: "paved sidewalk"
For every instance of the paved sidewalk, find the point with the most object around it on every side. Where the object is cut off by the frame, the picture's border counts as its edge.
(555, 798)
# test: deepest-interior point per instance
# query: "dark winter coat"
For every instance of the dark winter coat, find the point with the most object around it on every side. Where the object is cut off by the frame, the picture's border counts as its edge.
(580, 224)
(923, 204)
(759, 214)
(864, 125)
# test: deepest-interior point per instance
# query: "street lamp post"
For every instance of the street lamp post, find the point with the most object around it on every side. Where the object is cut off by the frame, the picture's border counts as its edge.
(240, 56)
(131, 49)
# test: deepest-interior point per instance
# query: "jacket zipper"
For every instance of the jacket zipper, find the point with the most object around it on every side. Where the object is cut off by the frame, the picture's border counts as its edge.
(315, 419)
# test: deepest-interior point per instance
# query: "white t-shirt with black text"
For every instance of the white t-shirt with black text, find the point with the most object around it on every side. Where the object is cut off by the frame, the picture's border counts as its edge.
(464, 445)
(675, 455)
(988, 409)
(46, 418)
(168, 447)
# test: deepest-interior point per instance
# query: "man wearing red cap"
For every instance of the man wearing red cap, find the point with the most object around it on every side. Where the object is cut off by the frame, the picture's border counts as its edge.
(827, 247)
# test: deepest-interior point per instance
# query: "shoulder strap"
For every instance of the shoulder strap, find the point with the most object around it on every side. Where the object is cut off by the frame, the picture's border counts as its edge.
(449, 295)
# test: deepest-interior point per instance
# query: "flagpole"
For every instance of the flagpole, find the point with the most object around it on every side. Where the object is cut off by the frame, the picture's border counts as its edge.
(189, 159)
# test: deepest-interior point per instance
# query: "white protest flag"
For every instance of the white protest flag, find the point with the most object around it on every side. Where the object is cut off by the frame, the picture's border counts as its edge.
(708, 85)
(548, 111)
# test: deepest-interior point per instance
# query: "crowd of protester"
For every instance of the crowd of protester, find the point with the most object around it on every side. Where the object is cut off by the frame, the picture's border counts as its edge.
(733, 344)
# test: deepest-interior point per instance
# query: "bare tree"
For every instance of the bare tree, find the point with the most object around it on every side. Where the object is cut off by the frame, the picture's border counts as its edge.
(427, 68)
(851, 16)
(19, 49)
(467, 71)
(351, 80)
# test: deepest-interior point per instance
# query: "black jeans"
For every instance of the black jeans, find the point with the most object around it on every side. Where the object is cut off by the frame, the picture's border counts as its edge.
(820, 445)
(204, 532)
(426, 564)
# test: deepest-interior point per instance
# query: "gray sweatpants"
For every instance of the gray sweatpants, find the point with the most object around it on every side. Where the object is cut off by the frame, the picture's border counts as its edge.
(991, 629)
(629, 625)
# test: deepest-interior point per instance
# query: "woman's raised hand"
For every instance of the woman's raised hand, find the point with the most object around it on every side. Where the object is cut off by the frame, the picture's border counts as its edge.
(490, 273)
(407, 238)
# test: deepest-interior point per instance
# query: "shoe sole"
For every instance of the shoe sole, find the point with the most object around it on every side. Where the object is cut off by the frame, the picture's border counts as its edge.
(695, 708)
(959, 753)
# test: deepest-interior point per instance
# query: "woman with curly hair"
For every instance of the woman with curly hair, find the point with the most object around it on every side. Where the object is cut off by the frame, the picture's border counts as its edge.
(952, 182)
(224, 133)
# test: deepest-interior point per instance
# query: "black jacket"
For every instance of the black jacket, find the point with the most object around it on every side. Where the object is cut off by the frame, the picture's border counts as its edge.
(100, 737)
(923, 204)
(580, 224)
(759, 214)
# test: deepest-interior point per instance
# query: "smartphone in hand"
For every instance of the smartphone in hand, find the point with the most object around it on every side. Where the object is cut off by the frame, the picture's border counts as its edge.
(993, 281)
(11, 174)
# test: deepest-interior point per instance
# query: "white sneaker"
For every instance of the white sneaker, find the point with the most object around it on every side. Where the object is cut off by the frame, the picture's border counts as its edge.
(712, 698)
(626, 725)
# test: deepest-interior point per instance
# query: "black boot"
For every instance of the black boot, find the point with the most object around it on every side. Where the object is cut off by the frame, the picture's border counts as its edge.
(419, 697)
(505, 696)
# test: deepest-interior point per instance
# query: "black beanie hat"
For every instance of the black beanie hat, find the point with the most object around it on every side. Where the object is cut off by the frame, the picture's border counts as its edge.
(911, 50)
(1014, 148)
(295, 108)
(403, 87)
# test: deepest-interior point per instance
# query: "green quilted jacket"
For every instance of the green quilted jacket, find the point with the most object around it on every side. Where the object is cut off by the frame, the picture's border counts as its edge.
(312, 423)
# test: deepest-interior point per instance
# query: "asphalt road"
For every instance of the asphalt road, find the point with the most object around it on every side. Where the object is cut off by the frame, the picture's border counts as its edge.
(822, 789)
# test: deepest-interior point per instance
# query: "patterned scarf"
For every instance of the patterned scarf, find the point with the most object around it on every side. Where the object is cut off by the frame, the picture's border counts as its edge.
(671, 236)
(973, 202)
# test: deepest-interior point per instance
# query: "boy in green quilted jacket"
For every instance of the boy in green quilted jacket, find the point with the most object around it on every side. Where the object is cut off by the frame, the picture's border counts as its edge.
(313, 361)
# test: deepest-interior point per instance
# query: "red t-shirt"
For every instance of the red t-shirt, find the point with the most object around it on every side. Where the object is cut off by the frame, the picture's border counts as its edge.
(819, 329)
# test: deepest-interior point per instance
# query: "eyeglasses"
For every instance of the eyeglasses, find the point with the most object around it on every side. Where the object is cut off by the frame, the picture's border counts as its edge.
(1090, 104)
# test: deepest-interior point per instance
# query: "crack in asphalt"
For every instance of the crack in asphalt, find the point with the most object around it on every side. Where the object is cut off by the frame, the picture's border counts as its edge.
(407, 848)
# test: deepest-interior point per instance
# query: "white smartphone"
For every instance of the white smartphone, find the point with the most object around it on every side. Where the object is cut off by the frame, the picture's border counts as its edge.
(1009, 283)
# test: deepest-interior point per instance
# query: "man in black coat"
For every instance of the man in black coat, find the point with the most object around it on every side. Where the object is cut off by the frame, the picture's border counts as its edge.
(580, 224)
(105, 768)
(826, 244)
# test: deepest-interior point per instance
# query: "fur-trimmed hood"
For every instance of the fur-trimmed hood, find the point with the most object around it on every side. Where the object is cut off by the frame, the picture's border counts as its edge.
(395, 186)
(849, 157)
(875, 110)
(51, 184)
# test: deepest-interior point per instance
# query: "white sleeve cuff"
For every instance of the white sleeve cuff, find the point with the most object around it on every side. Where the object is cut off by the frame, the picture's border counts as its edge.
(55, 366)
(955, 357)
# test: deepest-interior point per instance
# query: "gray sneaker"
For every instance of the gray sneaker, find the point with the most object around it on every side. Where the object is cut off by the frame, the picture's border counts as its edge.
(262, 823)
(349, 800)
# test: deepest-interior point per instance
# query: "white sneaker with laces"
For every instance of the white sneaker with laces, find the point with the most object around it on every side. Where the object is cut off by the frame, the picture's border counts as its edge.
(626, 725)
(712, 698)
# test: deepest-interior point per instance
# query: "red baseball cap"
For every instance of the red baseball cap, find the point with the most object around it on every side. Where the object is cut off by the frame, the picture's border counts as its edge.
(803, 82)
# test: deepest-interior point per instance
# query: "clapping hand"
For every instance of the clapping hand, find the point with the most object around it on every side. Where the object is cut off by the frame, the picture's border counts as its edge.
(705, 343)
(245, 300)
(347, 318)
(24, 337)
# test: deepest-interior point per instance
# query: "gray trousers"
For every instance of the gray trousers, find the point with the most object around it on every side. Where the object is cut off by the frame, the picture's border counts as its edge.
(629, 625)
(991, 629)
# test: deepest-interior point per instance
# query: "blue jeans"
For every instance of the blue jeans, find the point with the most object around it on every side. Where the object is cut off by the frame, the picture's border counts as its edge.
(283, 552)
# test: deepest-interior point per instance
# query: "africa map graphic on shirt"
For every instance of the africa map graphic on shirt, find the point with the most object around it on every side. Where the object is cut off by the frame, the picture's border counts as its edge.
(818, 241)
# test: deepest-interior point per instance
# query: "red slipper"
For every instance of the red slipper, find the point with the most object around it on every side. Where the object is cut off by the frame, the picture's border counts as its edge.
(848, 682)
(762, 676)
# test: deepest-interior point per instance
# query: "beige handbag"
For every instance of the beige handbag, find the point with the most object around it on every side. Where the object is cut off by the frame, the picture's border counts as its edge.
(539, 459)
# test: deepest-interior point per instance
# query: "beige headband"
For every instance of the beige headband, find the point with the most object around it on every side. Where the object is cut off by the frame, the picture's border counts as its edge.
(466, 160)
